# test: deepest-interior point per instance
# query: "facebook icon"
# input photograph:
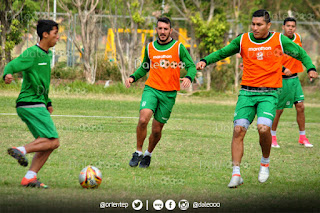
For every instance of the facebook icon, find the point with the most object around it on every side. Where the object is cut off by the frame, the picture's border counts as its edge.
(170, 204)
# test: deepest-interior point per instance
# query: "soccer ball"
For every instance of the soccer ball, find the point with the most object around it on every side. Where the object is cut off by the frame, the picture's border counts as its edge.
(90, 177)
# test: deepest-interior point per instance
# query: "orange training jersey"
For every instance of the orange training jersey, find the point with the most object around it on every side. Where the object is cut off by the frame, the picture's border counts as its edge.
(164, 71)
(294, 65)
(262, 62)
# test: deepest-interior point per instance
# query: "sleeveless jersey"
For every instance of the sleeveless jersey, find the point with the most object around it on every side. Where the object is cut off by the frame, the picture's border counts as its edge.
(165, 66)
(294, 65)
(262, 62)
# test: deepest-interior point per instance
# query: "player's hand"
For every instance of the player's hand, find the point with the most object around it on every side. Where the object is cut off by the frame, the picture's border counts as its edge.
(50, 109)
(312, 74)
(201, 65)
(185, 82)
(128, 82)
(8, 79)
(287, 72)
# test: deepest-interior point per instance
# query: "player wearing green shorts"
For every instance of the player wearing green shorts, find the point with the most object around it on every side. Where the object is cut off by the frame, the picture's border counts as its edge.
(291, 91)
(33, 104)
(163, 60)
(262, 53)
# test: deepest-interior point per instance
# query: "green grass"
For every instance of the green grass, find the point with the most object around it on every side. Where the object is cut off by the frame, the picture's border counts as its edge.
(192, 160)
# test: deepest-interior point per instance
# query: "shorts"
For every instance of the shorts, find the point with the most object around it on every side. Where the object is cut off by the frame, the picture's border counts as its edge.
(38, 121)
(251, 103)
(290, 93)
(160, 102)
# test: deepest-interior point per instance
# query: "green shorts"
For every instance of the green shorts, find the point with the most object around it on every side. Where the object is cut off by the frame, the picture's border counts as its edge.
(290, 93)
(38, 121)
(251, 103)
(160, 102)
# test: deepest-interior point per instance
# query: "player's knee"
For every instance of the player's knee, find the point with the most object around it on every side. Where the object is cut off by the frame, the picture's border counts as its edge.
(239, 130)
(240, 127)
(263, 129)
(143, 122)
(300, 107)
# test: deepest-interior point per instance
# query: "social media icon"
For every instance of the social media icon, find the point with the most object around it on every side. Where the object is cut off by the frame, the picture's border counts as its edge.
(183, 205)
(157, 204)
(170, 204)
(137, 204)
(102, 205)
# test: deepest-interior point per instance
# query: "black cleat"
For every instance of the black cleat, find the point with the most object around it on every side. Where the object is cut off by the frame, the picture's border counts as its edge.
(135, 159)
(14, 152)
(145, 162)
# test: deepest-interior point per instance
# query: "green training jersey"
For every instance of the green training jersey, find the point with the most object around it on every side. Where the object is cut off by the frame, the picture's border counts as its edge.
(34, 63)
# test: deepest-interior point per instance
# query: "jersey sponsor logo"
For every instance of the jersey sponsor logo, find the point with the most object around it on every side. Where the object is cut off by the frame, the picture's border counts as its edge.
(259, 48)
(161, 56)
(42, 64)
(288, 103)
(143, 103)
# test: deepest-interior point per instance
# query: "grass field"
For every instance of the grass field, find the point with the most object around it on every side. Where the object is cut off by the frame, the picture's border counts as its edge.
(192, 160)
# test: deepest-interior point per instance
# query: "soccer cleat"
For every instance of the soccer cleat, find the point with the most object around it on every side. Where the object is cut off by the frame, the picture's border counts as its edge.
(305, 141)
(145, 162)
(274, 142)
(17, 154)
(33, 182)
(263, 173)
(135, 159)
(235, 181)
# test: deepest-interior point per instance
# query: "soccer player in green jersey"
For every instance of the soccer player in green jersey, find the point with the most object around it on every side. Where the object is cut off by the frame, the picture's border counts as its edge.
(262, 53)
(291, 91)
(33, 104)
(163, 59)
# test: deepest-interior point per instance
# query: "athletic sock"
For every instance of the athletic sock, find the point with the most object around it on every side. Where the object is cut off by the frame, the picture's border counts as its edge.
(302, 133)
(265, 161)
(30, 174)
(22, 149)
(273, 133)
(139, 152)
(147, 153)
(236, 170)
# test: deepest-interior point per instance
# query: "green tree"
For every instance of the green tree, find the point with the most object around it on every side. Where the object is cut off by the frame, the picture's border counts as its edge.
(15, 15)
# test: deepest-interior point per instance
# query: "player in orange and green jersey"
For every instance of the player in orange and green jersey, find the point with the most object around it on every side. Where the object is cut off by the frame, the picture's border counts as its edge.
(163, 60)
(291, 91)
(262, 53)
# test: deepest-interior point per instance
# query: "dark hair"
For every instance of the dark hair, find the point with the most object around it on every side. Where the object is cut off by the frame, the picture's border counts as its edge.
(289, 19)
(165, 20)
(45, 26)
(262, 13)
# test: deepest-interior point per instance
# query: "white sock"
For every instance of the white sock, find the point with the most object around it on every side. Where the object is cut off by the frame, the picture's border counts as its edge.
(30, 174)
(302, 132)
(22, 149)
(147, 153)
(236, 170)
(139, 152)
(265, 160)
(273, 133)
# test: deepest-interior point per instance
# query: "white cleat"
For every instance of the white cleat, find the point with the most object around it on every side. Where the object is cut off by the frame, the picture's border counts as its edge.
(263, 173)
(235, 181)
